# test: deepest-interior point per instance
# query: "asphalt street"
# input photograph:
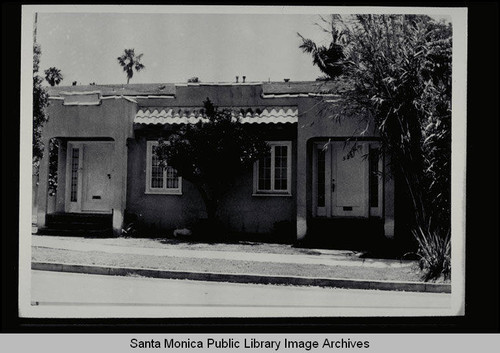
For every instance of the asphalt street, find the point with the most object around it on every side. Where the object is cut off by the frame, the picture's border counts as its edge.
(71, 289)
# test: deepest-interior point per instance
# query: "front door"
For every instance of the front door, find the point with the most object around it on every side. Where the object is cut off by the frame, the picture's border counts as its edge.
(349, 184)
(89, 173)
(347, 179)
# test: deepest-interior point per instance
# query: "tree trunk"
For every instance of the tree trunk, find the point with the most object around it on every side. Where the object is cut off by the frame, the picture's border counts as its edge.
(209, 229)
(211, 207)
(210, 202)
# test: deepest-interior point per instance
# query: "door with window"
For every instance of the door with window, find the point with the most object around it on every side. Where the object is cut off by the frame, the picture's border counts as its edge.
(347, 180)
(89, 177)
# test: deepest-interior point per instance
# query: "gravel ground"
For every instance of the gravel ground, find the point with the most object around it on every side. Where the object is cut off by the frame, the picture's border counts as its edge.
(40, 254)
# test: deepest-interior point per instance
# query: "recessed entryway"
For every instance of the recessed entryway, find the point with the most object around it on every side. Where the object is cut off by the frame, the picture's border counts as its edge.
(347, 179)
(89, 173)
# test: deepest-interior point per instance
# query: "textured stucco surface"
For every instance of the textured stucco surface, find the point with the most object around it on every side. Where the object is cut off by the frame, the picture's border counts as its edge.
(113, 118)
(239, 210)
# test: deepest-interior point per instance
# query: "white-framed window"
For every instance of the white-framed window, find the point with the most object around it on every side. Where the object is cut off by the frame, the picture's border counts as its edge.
(272, 174)
(160, 180)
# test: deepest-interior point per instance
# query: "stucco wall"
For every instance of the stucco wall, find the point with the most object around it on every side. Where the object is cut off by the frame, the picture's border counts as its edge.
(220, 95)
(239, 210)
(318, 123)
(162, 211)
(262, 214)
(112, 118)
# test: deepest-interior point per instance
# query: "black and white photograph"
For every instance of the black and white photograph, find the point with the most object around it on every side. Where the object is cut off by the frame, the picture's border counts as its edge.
(242, 162)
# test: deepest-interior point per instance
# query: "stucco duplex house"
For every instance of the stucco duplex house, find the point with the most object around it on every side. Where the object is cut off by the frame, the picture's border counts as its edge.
(106, 165)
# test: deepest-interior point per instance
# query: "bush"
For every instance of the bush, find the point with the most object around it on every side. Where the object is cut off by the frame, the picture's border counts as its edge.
(134, 227)
(212, 154)
(400, 71)
(434, 253)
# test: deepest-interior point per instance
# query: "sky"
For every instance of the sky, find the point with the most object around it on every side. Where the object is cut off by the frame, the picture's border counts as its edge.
(213, 47)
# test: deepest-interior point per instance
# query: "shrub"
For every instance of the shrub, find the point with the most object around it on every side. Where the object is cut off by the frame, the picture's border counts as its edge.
(134, 226)
(434, 253)
(400, 71)
(212, 154)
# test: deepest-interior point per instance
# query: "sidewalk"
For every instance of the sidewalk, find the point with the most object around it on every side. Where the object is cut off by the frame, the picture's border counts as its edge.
(152, 258)
(327, 257)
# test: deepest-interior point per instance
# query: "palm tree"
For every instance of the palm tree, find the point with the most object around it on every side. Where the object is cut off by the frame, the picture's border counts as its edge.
(330, 60)
(129, 61)
(53, 76)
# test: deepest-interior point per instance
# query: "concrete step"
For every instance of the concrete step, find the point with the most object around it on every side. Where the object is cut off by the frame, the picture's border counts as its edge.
(77, 225)
(89, 233)
(79, 217)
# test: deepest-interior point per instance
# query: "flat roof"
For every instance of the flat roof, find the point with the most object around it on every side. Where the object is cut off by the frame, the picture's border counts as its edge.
(169, 89)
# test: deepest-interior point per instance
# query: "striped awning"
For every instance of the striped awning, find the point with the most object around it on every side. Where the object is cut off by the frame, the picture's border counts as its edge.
(172, 116)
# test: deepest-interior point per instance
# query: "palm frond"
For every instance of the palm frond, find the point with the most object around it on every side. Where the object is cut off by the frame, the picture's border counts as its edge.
(307, 46)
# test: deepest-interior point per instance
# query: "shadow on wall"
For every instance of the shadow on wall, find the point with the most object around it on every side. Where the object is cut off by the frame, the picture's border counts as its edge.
(204, 230)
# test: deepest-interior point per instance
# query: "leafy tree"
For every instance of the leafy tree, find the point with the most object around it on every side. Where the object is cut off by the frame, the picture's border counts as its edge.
(129, 61)
(53, 165)
(40, 103)
(400, 70)
(212, 153)
(40, 117)
(53, 76)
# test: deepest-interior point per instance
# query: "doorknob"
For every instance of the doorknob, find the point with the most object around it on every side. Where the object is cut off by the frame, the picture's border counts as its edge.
(333, 185)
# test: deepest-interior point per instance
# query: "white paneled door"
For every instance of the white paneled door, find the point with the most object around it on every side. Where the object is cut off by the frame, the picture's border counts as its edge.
(347, 179)
(89, 177)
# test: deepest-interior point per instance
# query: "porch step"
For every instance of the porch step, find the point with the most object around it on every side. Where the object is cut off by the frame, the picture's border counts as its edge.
(78, 217)
(78, 224)
(94, 233)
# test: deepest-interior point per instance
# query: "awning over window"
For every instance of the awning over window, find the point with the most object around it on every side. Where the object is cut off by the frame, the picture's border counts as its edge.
(170, 116)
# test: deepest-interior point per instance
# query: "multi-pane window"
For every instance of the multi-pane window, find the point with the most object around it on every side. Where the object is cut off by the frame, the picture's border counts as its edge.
(374, 177)
(156, 170)
(75, 157)
(321, 178)
(159, 179)
(273, 172)
(281, 168)
(265, 173)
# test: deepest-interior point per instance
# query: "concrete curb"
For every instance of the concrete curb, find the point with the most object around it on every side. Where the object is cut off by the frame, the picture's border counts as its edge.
(245, 278)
